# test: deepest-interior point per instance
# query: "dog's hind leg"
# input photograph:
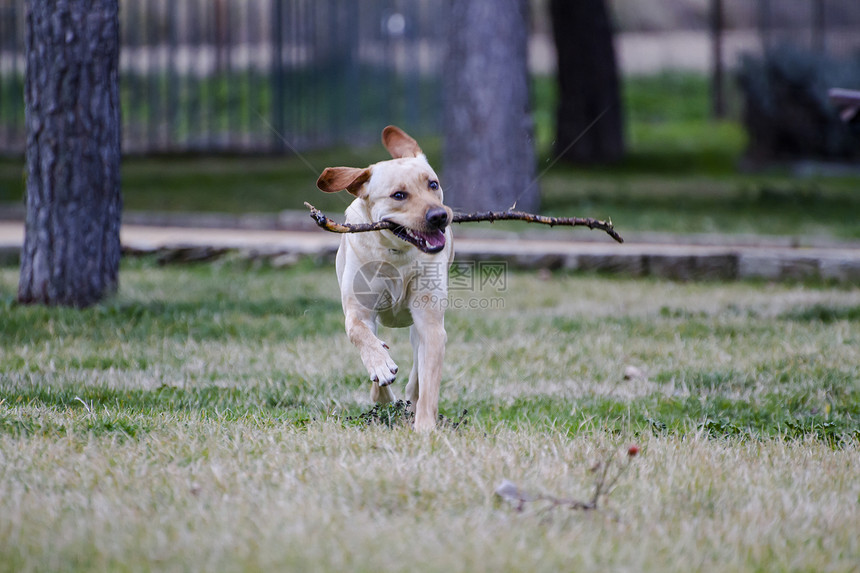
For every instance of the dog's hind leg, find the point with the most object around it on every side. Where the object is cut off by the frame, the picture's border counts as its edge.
(430, 332)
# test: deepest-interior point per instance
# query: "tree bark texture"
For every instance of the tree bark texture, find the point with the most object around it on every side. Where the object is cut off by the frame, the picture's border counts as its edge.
(71, 247)
(489, 158)
(589, 120)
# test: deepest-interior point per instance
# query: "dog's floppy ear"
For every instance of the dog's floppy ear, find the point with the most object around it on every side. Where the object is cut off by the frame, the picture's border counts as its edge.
(334, 179)
(399, 144)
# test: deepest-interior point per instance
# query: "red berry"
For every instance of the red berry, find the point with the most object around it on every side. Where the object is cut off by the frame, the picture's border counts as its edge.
(633, 450)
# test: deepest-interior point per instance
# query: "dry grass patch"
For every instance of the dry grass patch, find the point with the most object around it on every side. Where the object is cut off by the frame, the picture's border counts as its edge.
(252, 495)
(206, 420)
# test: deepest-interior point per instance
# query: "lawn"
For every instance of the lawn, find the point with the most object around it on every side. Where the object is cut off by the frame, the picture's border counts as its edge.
(215, 417)
(209, 417)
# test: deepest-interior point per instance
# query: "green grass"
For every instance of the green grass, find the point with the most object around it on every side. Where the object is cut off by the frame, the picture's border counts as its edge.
(680, 175)
(191, 325)
(764, 205)
(209, 418)
(201, 410)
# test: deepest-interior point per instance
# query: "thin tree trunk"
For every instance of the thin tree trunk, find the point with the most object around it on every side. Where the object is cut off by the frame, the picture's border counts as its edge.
(71, 246)
(589, 122)
(489, 160)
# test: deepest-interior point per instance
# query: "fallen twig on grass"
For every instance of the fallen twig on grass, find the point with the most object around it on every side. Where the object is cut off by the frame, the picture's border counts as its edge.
(335, 227)
(604, 483)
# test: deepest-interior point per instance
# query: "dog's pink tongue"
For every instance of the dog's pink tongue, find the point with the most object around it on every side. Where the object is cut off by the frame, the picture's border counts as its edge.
(435, 240)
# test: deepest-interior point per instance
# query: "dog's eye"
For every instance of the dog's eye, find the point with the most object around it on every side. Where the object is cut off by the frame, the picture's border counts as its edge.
(399, 195)
(434, 185)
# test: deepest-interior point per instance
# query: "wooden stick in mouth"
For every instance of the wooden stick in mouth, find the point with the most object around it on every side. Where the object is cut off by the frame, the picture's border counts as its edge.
(510, 215)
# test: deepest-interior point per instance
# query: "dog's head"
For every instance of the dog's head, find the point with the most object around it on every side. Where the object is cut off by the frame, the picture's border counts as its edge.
(404, 190)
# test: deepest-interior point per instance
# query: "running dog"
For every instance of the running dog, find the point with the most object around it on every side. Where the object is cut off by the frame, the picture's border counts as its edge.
(396, 277)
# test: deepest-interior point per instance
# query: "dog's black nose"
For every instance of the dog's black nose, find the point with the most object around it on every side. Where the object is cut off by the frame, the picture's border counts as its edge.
(437, 217)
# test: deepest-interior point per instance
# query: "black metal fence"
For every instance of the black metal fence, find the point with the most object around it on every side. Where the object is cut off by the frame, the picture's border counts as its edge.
(256, 75)
(270, 75)
(820, 25)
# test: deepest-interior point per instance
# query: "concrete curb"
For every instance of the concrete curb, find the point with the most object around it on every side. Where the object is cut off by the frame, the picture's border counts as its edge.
(676, 262)
(770, 261)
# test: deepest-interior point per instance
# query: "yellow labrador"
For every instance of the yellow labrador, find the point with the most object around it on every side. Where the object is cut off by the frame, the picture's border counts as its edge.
(396, 277)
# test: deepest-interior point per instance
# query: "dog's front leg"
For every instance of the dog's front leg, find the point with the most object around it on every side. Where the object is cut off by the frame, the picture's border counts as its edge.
(413, 384)
(429, 330)
(361, 331)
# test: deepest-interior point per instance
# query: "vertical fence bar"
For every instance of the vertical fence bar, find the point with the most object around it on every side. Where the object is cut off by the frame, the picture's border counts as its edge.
(6, 82)
(19, 71)
(718, 107)
(194, 102)
(819, 28)
(173, 128)
(260, 93)
(434, 106)
(277, 75)
(310, 69)
(302, 70)
(351, 112)
(251, 39)
(330, 51)
(412, 79)
(198, 76)
(242, 79)
(232, 86)
(385, 92)
(6, 109)
(163, 68)
(223, 76)
(764, 24)
(313, 75)
(131, 84)
(208, 72)
(152, 72)
(10, 109)
(293, 32)
(196, 88)
(259, 88)
(142, 77)
(388, 11)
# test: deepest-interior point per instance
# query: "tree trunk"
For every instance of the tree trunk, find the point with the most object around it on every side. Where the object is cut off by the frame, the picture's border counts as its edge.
(71, 245)
(589, 123)
(489, 160)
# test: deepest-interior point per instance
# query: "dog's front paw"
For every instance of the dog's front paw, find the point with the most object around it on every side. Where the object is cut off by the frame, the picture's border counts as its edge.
(381, 367)
(384, 374)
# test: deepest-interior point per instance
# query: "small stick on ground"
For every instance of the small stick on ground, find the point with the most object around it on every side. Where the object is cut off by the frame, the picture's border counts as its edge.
(604, 484)
(335, 227)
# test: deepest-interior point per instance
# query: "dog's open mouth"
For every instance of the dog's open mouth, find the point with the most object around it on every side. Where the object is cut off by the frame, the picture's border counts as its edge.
(430, 242)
